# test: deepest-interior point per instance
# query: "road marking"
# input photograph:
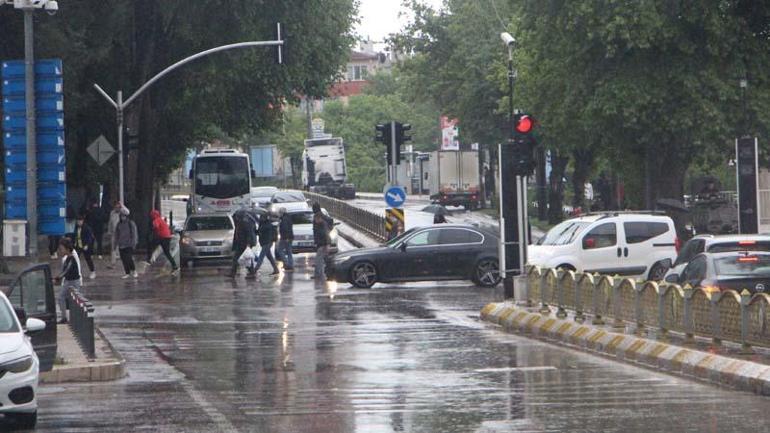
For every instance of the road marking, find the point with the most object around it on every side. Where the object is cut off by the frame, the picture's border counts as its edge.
(522, 369)
(218, 417)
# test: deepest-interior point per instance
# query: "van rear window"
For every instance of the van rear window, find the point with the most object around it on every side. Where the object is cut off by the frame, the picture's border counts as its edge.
(637, 232)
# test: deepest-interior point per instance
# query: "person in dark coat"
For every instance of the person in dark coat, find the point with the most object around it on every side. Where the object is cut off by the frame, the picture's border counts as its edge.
(244, 236)
(286, 231)
(83, 240)
(322, 226)
(96, 218)
(439, 218)
(267, 236)
(125, 237)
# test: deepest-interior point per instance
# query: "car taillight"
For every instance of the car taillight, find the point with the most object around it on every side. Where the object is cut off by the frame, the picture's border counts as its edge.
(677, 244)
(748, 259)
(744, 243)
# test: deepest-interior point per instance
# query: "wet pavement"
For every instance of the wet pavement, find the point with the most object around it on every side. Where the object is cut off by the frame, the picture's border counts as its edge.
(288, 354)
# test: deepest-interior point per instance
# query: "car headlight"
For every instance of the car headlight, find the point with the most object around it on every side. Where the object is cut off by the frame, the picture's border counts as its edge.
(333, 236)
(17, 366)
(342, 259)
(187, 241)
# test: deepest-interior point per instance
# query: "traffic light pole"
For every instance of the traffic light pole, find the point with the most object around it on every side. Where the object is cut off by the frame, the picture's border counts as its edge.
(393, 154)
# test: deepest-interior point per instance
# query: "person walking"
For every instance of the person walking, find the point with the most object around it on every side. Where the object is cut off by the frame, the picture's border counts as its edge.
(286, 232)
(69, 277)
(439, 218)
(83, 238)
(267, 235)
(322, 225)
(53, 246)
(244, 236)
(95, 219)
(125, 239)
(111, 224)
(161, 237)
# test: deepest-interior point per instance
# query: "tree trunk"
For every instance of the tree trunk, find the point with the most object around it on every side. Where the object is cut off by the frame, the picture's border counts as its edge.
(584, 160)
(556, 188)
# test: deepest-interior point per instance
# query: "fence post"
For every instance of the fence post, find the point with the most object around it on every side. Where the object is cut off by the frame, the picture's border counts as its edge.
(638, 308)
(544, 294)
(688, 326)
(716, 327)
(579, 300)
(745, 299)
(616, 321)
(597, 320)
(561, 313)
(662, 327)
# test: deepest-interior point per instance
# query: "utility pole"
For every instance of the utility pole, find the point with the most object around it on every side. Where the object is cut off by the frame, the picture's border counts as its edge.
(29, 96)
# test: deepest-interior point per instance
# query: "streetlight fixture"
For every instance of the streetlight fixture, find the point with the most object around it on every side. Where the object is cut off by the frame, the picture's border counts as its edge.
(28, 7)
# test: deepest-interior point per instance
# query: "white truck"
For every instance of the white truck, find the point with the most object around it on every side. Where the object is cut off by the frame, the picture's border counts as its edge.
(324, 169)
(453, 178)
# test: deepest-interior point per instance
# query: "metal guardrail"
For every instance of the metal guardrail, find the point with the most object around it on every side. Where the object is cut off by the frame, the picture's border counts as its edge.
(692, 311)
(82, 322)
(361, 219)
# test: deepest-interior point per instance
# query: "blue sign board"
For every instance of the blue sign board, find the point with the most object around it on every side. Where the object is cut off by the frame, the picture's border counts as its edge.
(49, 108)
(395, 196)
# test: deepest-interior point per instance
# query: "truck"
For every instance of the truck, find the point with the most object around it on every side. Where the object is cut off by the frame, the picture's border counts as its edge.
(453, 178)
(324, 170)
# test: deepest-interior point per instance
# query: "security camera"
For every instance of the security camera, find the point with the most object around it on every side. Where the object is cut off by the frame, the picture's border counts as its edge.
(507, 38)
(51, 7)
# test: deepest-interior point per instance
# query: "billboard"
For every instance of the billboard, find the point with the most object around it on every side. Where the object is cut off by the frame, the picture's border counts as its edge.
(450, 134)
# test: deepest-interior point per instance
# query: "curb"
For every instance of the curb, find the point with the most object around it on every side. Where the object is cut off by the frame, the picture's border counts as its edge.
(690, 363)
(94, 372)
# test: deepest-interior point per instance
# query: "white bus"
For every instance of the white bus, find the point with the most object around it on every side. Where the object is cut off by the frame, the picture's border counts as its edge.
(221, 181)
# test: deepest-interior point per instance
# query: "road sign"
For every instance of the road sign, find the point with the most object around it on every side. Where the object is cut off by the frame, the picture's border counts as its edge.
(395, 196)
(317, 125)
(101, 150)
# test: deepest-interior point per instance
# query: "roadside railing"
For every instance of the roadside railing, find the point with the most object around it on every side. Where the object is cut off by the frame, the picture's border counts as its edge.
(361, 219)
(82, 322)
(691, 311)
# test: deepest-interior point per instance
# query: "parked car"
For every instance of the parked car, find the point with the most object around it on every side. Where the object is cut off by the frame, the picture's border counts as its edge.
(291, 200)
(718, 244)
(630, 244)
(736, 270)
(303, 232)
(440, 252)
(19, 365)
(206, 237)
(261, 195)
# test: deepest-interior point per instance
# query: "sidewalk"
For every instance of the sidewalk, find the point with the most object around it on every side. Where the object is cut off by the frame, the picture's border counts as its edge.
(72, 365)
(721, 364)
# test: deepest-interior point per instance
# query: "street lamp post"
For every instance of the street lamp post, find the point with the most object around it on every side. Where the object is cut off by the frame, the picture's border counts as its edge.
(28, 7)
(120, 105)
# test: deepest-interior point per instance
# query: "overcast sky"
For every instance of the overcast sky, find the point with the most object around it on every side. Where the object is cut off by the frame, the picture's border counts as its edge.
(379, 18)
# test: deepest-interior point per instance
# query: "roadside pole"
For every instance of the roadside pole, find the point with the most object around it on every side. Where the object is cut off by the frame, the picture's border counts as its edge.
(29, 98)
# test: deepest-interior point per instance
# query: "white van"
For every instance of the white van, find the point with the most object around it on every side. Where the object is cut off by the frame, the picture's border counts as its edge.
(615, 243)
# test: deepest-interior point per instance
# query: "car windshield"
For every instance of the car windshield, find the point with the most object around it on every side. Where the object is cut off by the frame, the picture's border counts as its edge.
(209, 223)
(263, 192)
(743, 265)
(398, 238)
(222, 176)
(302, 218)
(7, 318)
(725, 247)
(563, 233)
(288, 197)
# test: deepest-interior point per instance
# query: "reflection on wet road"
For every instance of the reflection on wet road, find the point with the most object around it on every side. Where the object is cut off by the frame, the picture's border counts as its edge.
(291, 355)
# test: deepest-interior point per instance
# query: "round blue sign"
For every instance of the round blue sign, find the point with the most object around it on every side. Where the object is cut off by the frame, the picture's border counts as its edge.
(395, 196)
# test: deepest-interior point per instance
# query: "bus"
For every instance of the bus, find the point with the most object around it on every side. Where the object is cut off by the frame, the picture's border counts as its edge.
(221, 181)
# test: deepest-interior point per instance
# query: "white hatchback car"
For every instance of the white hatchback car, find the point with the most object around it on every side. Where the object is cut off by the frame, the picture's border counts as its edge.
(19, 367)
(628, 244)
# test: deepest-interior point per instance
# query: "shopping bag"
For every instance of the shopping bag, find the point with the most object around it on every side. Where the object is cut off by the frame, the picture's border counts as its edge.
(247, 258)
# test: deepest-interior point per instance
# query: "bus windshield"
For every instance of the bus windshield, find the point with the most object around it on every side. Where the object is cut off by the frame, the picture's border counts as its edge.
(222, 176)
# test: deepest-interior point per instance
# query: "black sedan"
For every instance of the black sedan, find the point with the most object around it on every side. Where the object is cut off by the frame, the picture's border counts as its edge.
(439, 252)
(715, 272)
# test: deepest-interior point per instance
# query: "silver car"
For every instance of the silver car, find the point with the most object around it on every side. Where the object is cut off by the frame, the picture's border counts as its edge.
(302, 221)
(207, 237)
(261, 195)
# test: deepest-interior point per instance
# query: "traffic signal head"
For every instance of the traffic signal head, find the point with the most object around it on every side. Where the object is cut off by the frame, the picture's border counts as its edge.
(382, 134)
(523, 123)
(402, 135)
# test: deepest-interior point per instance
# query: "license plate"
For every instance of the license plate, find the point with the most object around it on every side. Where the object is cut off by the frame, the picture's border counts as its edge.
(209, 250)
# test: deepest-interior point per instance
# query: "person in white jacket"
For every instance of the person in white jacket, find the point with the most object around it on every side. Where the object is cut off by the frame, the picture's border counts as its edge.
(113, 222)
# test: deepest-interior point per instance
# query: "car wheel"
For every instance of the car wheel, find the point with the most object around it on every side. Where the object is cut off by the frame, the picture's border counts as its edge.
(657, 273)
(23, 420)
(487, 273)
(363, 275)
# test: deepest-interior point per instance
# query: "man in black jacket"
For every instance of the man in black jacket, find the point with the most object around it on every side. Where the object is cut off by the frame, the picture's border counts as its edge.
(245, 236)
(286, 231)
(267, 236)
(322, 226)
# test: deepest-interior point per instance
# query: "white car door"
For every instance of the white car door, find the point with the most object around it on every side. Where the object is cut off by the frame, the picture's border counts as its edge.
(643, 243)
(600, 251)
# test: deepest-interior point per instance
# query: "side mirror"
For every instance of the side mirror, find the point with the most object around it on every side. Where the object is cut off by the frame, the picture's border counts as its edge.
(336, 223)
(589, 243)
(672, 278)
(34, 325)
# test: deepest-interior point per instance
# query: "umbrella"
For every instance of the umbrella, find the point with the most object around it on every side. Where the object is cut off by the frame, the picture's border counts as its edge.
(435, 209)
(672, 204)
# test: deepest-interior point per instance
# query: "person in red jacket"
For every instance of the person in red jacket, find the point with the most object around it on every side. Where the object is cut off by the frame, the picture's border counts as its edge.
(161, 236)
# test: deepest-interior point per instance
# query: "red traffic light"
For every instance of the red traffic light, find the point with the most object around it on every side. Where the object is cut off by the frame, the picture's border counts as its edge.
(524, 124)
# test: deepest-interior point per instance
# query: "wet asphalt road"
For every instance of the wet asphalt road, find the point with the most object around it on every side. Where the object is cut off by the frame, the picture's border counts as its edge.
(289, 355)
